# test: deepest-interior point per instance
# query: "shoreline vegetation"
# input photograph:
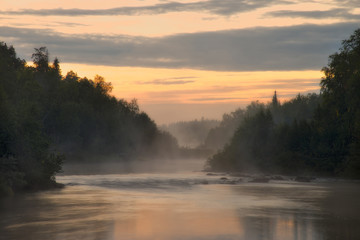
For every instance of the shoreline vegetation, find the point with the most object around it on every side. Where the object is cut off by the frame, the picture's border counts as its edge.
(240, 177)
(314, 135)
(47, 118)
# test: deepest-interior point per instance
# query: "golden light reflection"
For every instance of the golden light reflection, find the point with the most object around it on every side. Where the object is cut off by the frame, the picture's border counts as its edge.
(285, 227)
(169, 223)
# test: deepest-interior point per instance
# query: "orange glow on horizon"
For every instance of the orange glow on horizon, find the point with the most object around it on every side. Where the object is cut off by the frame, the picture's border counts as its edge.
(187, 86)
(166, 93)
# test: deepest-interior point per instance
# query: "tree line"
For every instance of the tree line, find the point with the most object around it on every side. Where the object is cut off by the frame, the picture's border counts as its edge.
(47, 118)
(190, 134)
(312, 134)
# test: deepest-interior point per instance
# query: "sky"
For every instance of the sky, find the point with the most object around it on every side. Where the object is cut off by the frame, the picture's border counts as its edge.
(186, 59)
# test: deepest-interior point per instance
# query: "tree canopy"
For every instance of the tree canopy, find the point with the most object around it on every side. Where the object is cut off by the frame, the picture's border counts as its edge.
(47, 118)
(309, 134)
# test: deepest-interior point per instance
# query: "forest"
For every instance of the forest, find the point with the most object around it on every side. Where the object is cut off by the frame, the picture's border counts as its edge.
(47, 118)
(191, 134)
(311, 135)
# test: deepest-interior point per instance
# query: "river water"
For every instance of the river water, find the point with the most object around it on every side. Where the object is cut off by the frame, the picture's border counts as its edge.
(183, 205)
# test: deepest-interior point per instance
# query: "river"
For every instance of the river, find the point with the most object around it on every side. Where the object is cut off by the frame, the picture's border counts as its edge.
(182, 206)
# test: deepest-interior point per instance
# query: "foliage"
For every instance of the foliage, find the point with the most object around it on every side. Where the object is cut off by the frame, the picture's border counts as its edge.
(45, 117)
(218, 136)
(309, 134)
(339, 116)
(41, 59)
(25, 159)
(270, 138)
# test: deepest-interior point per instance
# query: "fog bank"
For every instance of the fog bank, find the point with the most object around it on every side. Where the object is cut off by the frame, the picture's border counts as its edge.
(136, 166)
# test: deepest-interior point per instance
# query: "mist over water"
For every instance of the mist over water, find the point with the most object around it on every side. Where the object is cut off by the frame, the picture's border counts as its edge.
(113, 166)
(177, 201)
(121, 178)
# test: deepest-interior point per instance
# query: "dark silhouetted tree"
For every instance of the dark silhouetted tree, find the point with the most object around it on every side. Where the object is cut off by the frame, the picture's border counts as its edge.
(56, 65)
(43, 113)
(41, 59)
(310, 134)
(339, 114)
(275, 102)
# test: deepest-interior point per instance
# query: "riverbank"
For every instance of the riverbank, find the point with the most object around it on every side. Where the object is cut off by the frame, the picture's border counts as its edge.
(6, 191)
(237, 177)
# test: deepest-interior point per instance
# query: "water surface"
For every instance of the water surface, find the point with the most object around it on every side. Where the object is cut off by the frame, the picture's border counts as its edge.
(187, 205)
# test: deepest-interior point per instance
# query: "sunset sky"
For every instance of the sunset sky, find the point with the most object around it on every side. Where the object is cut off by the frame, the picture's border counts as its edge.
(186, 59)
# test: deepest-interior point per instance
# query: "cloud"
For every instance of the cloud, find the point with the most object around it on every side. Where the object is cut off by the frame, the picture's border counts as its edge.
(224, 8)
(254, 49)
(170, 81)
(48, 24)
(214, 99)
(68, 24)
(342, 13)
(348, 3)
(280, 85)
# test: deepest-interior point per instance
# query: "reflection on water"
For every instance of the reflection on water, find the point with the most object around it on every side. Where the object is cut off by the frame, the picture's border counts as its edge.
(182, 206)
